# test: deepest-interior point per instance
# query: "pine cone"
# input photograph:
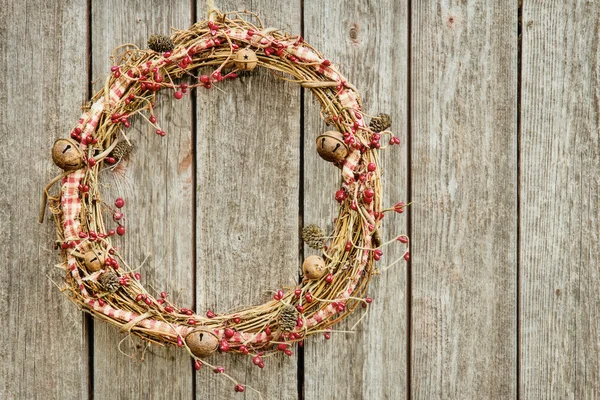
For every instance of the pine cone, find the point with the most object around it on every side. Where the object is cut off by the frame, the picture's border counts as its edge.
(314, 236)
(110, 281)
(121, 150)
(287, 318)
(381, 122)
(160, 43)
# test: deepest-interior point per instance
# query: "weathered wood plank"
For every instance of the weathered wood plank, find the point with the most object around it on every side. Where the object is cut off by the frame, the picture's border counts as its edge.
(157, 184)
(560, 251)
(247, 203)
(464, 179)
(42, 345)
(370, 45)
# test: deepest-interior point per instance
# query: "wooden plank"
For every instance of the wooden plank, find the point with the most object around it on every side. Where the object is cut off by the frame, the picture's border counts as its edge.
(464, 180)
(247, 203)
(370, 45)
(43, 65)
(157, 185)
(560, 352)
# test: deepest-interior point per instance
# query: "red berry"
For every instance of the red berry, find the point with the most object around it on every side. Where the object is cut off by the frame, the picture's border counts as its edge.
(210, 314)
(91, 161)
(348, 246)
(329, 278)
(178, 95)
(117, 216)
(372, 166)
(120, 230)
(402, 239)
(256, 360)
(197, 365)
(407, 256)
(281, 346)
(236, 320)
(298, 292)
(224, 345)
(119, 202)
(111, 232)
(110, 160)
(300, 309)
(369, 300)
(139, 297)
(163, 295)
(153, 119)
(243, 350)
(219, 370)
(169, 309)
(179, 341)
(204, 79)
(327, 336)
(229, 332)
(288, 352)
(239, 388)
(268, 330)
(192, 321)
(148, 301)
(340, 195)
(369, 192)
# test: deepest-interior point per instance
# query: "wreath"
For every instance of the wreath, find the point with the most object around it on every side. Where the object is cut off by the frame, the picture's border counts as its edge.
(101, 282)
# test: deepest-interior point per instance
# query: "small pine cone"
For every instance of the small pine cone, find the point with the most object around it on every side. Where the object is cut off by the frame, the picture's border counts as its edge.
(314, 236)
(287, 318)
(110, 281)
(121, 150)
(381, 122)
(160, 43)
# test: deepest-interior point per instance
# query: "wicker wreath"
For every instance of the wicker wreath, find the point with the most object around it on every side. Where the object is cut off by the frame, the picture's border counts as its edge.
(99, 280)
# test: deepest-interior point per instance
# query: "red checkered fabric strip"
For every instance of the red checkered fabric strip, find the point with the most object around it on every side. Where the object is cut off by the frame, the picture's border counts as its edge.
(71, 205)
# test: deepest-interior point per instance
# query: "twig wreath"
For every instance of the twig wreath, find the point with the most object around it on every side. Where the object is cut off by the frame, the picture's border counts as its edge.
(99, 280)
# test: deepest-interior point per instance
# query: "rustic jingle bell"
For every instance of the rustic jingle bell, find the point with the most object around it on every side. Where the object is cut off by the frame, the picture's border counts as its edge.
(202, 342)
(331, 146)
(314, 267)
(94, 260)
(246, 60)
(67, 155)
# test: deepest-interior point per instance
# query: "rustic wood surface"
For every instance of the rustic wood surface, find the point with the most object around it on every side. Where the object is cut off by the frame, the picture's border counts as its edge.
(357, 40)
(157, 182)
(560, 312)
(43, 348)
(247, 191)
(464, 189)
(500, 155)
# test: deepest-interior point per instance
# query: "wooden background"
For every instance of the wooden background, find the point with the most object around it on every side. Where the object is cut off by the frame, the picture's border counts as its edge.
(497, 107)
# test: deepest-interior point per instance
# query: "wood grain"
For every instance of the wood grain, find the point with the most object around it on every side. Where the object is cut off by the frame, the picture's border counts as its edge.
(560, 251)
(464, 189)
(42, 344)
(248, 164)
(370, 45)
(157, 184)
